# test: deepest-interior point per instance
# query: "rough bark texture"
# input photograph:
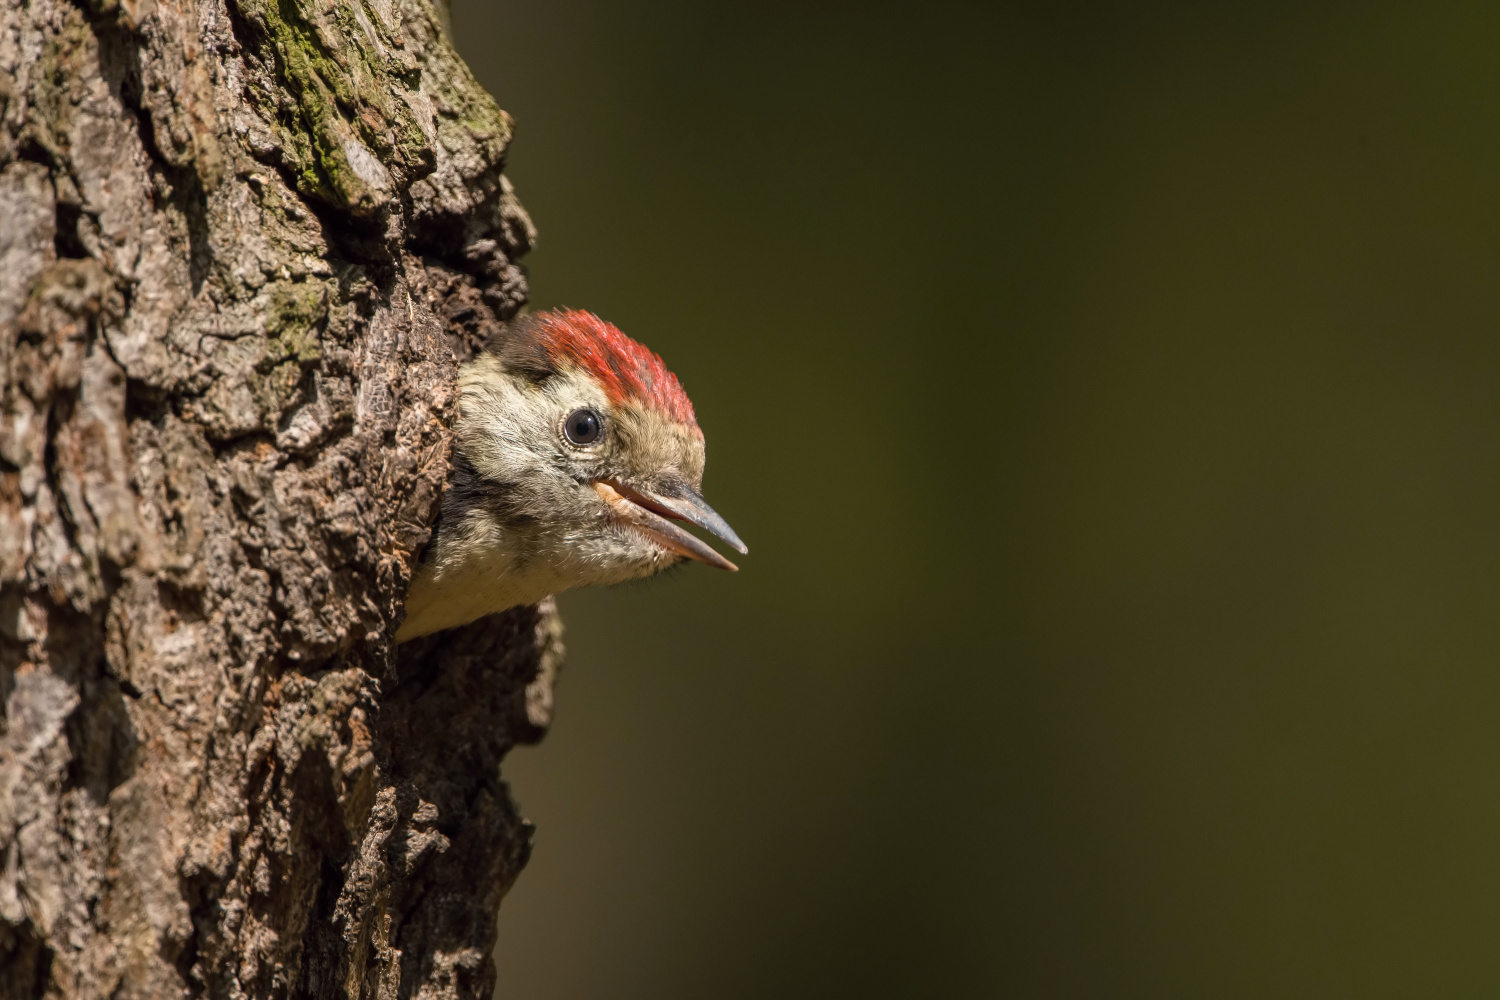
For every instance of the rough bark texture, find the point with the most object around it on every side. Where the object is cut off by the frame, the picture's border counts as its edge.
(243, 244)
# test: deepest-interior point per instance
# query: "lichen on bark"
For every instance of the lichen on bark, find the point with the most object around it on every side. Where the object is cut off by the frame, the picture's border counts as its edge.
(243, 246)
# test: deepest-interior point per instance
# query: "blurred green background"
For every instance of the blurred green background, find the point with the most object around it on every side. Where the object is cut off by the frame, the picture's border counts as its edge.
(1109, 395)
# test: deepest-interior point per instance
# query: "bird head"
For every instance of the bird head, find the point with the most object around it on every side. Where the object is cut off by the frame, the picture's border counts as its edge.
(579, 462)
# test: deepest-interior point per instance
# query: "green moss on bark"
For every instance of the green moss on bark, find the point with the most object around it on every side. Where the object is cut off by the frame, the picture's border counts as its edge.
(295, 320)
(347, 136)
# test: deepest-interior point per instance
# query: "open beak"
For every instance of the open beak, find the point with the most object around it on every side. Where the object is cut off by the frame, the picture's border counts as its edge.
(653, 513)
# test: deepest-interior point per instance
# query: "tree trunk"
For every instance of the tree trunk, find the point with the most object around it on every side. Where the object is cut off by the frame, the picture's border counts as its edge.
(243, 244)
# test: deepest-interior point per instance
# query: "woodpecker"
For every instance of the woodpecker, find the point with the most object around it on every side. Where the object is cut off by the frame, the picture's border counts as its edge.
(576, 453)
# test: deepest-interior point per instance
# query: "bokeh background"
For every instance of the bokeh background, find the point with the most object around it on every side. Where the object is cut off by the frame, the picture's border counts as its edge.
(1110, 397)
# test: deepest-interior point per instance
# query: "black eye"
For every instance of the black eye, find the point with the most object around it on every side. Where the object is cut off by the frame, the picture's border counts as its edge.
(583, 427)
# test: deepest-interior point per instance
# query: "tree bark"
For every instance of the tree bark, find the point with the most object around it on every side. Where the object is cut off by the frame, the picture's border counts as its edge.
(243, 245)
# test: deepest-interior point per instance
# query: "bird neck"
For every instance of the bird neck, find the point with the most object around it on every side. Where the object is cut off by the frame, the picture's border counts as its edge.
(465, 584)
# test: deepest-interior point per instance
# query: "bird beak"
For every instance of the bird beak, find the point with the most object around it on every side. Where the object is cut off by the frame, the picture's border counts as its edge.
(653, 514)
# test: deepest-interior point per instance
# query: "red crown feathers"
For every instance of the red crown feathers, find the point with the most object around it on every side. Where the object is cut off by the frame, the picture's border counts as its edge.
(628, 371)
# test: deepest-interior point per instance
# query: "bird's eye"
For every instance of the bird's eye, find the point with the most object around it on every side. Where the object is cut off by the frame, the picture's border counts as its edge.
(583, 426)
